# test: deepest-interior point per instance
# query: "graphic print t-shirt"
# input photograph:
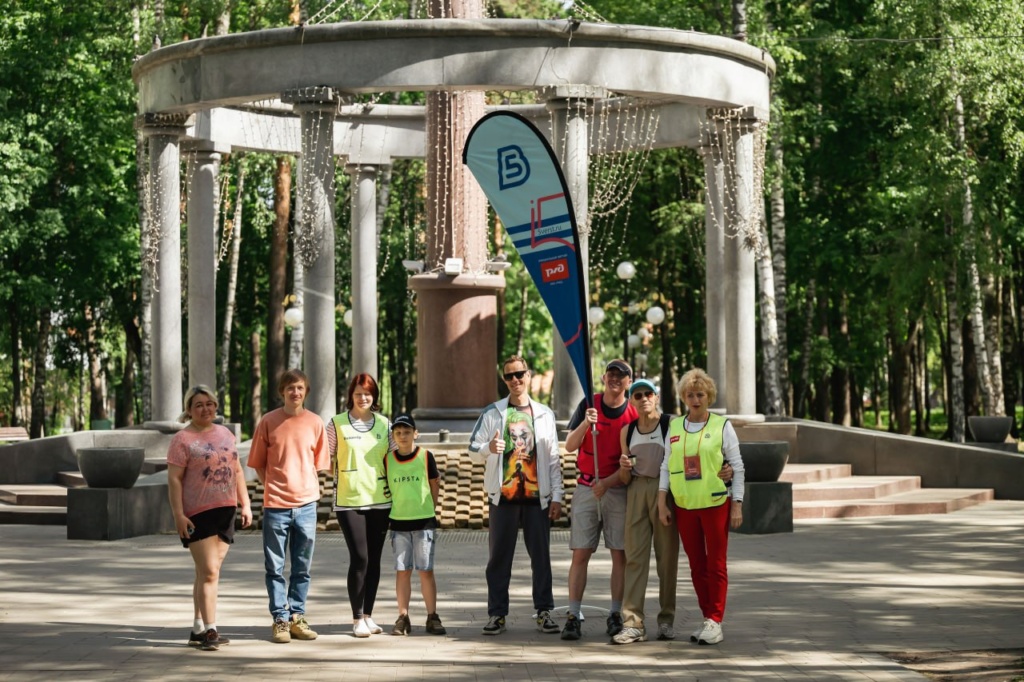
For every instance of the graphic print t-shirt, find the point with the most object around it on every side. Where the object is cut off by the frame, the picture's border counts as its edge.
(210, 460)
(519, 470)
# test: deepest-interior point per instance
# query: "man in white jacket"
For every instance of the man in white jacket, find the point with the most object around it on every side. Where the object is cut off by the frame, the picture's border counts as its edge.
(517, 441)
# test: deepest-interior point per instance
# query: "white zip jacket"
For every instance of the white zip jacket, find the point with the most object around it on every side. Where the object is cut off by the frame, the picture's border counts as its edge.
(549, 462)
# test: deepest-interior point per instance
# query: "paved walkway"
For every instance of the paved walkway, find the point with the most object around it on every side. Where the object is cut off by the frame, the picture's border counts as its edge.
(821, 603)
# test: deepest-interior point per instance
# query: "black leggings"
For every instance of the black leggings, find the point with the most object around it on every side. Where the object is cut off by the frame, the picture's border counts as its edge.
(365, 531)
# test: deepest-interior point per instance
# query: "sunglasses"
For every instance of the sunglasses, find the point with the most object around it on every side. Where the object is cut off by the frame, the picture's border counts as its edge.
(640, 395)
(509, 376)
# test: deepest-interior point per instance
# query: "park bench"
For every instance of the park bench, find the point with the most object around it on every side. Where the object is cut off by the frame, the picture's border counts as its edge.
(10, 434)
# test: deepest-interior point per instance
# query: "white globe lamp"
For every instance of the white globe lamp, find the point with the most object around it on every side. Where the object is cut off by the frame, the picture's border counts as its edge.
(633, 341)
(293, 317)
(348, 317)
(655, 314)
(596, 315)
(643, 333)
(626, 270)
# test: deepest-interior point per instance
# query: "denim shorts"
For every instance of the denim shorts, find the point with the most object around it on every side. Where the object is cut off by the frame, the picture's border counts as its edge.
(413, 549)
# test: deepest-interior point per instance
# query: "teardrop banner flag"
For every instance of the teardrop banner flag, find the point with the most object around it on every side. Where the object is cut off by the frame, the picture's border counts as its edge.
(519, 173)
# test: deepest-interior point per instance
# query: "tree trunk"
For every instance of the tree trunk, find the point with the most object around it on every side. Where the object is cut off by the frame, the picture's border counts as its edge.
(991, 292)
(902, 379)
(841, 369)
(235, 383)
(278, 276)
(770, 359)
(972, 381)
(15, 322)
(856, 402)
(97, 404)
(255, 382)
(125, 415)
(522, 321)
(955, 400)
(1010, 351)
(803, 388)
(39, 375)
(778, 203)
(229, 306)
(147, 248)
(739, 20)
(822, 400)
(973, 279)
(919, 369)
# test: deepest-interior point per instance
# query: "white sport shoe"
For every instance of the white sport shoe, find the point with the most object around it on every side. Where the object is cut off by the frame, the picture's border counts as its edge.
(700, 628)
(630, 635)
(711, 634)
(360, 628)
(374, 628)
(666, 631)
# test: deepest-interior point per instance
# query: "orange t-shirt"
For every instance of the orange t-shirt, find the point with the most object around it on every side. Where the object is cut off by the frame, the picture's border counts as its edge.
(290, 450)
(210, 461)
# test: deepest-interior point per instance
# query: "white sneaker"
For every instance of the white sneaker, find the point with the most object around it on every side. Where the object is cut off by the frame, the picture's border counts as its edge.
(700, 628)
(711, 634)
(360, 628)
(666, 631)
(374, 628)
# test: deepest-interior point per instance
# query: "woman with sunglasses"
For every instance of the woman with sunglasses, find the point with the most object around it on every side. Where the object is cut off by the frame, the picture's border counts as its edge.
(205, 486)
(642, 444)
(697, 445)
(358, 441)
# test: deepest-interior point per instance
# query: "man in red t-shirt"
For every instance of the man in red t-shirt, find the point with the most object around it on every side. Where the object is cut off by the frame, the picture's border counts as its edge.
(288, 449)
(599, 501)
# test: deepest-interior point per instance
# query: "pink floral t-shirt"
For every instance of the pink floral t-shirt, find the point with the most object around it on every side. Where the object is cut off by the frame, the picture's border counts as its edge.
(210, 460)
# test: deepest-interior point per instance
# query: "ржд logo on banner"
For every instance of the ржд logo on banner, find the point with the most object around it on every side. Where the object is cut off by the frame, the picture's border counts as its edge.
(519, 173)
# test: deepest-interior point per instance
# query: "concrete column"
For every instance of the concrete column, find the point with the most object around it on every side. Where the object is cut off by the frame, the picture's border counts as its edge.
(316, 107)
(203, 205)
(572, 144)
(740, 304)
(163, 132)
(714, 284)
(364, 268)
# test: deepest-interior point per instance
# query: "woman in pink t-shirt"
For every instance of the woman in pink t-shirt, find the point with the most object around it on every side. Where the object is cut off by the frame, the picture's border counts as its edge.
(205, 485)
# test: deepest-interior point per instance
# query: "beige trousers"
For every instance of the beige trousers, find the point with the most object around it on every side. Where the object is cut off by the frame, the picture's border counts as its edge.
(642, 530)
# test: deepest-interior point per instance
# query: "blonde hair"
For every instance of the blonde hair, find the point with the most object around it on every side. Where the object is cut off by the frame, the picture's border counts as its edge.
(198, 389)
(698, 379)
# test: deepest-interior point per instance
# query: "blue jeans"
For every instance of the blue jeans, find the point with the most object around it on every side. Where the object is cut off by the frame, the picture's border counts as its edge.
(294, 529)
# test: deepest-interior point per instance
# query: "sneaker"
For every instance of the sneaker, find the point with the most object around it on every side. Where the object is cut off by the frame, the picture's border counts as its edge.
(212, 641)
(700, 628)
(281, 633)
(495, 625)
(374, 628)
(196, 639)
(666, 631)
(572, 630)
(545, 623)
(360, 628)
(299, 629)
(614, 623)
(434, 626)
(402, 626)
(711, 634)
(630, 635)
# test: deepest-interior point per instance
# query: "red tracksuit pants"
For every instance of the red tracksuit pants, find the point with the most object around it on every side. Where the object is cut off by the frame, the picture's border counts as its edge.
(705, 537)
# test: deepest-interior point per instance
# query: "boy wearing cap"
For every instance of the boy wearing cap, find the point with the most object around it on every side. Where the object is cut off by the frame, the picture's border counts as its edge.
(599, 501)
(413, 481)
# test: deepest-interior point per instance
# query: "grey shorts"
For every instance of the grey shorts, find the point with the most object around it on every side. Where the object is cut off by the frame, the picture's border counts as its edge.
(413, 549)
(585, 528)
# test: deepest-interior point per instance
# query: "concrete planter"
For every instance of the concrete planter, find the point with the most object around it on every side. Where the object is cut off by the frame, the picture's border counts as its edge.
(990, 429)
(763, 461)
(110, 467)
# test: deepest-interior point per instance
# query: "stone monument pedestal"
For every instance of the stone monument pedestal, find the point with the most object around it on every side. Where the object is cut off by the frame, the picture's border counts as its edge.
(767, 508)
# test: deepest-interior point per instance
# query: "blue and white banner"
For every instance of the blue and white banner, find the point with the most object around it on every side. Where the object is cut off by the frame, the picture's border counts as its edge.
(519, 173)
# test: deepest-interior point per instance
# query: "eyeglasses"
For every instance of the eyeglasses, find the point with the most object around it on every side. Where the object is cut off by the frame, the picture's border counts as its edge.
(640, 395)
(509, 376)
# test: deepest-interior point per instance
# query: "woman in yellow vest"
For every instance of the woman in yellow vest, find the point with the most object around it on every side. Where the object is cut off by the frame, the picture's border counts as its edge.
(696, 446)
(359, 442)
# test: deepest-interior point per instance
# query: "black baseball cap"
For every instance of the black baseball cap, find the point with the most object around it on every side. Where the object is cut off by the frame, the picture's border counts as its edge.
(620, 366)
(403, 420)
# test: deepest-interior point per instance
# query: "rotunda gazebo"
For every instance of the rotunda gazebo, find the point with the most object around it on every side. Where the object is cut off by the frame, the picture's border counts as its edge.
(287, 90)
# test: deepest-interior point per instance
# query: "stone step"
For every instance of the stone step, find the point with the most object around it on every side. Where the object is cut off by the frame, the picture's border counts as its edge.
(855, 487)
(923, 501)
(151, 466)
(40, 495)
(33, 515)
(70, 479)
(810, 473)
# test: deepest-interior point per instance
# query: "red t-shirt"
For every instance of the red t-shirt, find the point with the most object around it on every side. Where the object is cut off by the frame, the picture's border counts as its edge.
(609, 426)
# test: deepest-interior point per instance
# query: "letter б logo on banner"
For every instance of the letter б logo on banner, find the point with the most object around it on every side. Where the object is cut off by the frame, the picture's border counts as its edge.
(513, 168)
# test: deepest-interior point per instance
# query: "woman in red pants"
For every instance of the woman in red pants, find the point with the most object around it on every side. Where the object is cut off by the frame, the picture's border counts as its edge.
(696, 446)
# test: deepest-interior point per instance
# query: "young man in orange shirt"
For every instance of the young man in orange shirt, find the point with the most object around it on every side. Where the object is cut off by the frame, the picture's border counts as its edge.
(288, 449)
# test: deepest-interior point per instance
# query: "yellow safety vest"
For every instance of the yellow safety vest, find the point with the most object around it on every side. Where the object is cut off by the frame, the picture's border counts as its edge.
(359, 476)
(694, 462)
(410, 487)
